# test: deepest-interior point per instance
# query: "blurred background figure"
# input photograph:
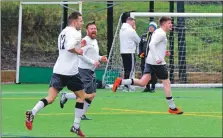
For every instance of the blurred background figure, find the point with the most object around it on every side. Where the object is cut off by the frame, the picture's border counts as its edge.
(143, 52)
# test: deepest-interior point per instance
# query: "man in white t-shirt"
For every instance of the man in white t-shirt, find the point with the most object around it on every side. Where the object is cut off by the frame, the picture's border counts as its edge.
(155, 63)
(129, 40)
(65, 73)
(87, 70)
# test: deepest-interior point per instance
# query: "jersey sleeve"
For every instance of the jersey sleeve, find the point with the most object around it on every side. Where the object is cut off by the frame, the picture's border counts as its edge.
(73, 40)
(86, 59)
(136, 38)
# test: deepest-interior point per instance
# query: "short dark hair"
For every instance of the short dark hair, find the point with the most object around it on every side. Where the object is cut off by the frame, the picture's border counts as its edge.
(164, 19)
(73, 16)
(90, 23)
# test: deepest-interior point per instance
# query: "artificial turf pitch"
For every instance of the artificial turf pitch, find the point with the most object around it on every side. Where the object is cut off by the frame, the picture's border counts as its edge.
(120, 114)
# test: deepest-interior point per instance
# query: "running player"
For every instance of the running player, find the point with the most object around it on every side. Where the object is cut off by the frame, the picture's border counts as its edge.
(65, 73)
(155, 63)
(87, 71)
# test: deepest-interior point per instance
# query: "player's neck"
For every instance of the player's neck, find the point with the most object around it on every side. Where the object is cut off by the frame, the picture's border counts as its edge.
(163, 29)
(91, 37)
(71, 26)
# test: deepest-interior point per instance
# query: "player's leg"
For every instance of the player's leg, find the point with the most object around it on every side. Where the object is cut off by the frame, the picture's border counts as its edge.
(126, 59)
(56, 84)
(147, 89)
(132, 65)
(65, 96)
(91, 93)
(153, 82)
(79, 111)
(89, 79)
(162, 74)
(77, 86)
(137, 82)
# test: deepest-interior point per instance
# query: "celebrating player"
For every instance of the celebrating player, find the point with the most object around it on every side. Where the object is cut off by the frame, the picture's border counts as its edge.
(87, 70)
(65, 72)
(155, 63)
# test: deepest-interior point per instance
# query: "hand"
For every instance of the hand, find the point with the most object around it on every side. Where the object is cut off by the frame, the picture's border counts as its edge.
(104, 59)
(159, 61)
(83, 43)
(96, 64)
(79, 51)
(167, 53)
(142, 55)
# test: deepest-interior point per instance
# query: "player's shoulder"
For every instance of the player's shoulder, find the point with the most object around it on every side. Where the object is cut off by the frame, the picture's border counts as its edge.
(71, 31)
(87, 38)
(159, 31)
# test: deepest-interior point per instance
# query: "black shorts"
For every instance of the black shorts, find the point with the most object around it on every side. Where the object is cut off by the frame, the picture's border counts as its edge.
(89, 79)
(73, 83)
(160, 71)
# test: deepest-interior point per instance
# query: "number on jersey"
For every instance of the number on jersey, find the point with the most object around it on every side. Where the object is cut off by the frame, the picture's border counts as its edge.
(62, 41)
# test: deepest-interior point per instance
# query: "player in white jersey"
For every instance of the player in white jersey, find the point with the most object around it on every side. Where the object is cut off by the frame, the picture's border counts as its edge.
(87, 70)
(65, 72)
(155, 63)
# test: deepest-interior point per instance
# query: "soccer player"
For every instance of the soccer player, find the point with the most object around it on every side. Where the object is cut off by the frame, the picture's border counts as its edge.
(155, 63)
(87, 71)
(143, 52)
(65, 73)
(129, 40)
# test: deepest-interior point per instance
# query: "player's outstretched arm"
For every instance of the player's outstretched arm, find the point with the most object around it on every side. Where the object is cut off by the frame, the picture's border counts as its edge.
(76, 51)
(87, 59)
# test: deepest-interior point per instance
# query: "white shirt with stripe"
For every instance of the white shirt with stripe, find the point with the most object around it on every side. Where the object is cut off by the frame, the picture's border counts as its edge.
(67, 62)
(157, 47)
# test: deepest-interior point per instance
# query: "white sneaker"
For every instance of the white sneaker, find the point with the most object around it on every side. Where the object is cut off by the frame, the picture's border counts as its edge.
(63, 99)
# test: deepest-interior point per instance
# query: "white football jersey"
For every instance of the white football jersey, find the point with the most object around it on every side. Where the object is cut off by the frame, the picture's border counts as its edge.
(157, 47)
(86, 63)
(67, 62)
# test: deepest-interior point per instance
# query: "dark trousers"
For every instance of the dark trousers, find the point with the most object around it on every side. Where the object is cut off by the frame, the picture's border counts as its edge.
(153, 80)
(129, 64)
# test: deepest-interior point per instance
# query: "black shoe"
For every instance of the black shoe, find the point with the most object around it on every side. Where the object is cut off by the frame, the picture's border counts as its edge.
(84, 117)
(146, 90)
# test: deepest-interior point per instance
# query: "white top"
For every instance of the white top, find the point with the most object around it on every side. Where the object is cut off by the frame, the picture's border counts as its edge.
(129, 39)
(87, 63)
(67, 62)
(157, 47)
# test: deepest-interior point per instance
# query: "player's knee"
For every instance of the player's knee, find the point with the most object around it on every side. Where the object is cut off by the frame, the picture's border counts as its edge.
(166, 83)
(80, 99)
